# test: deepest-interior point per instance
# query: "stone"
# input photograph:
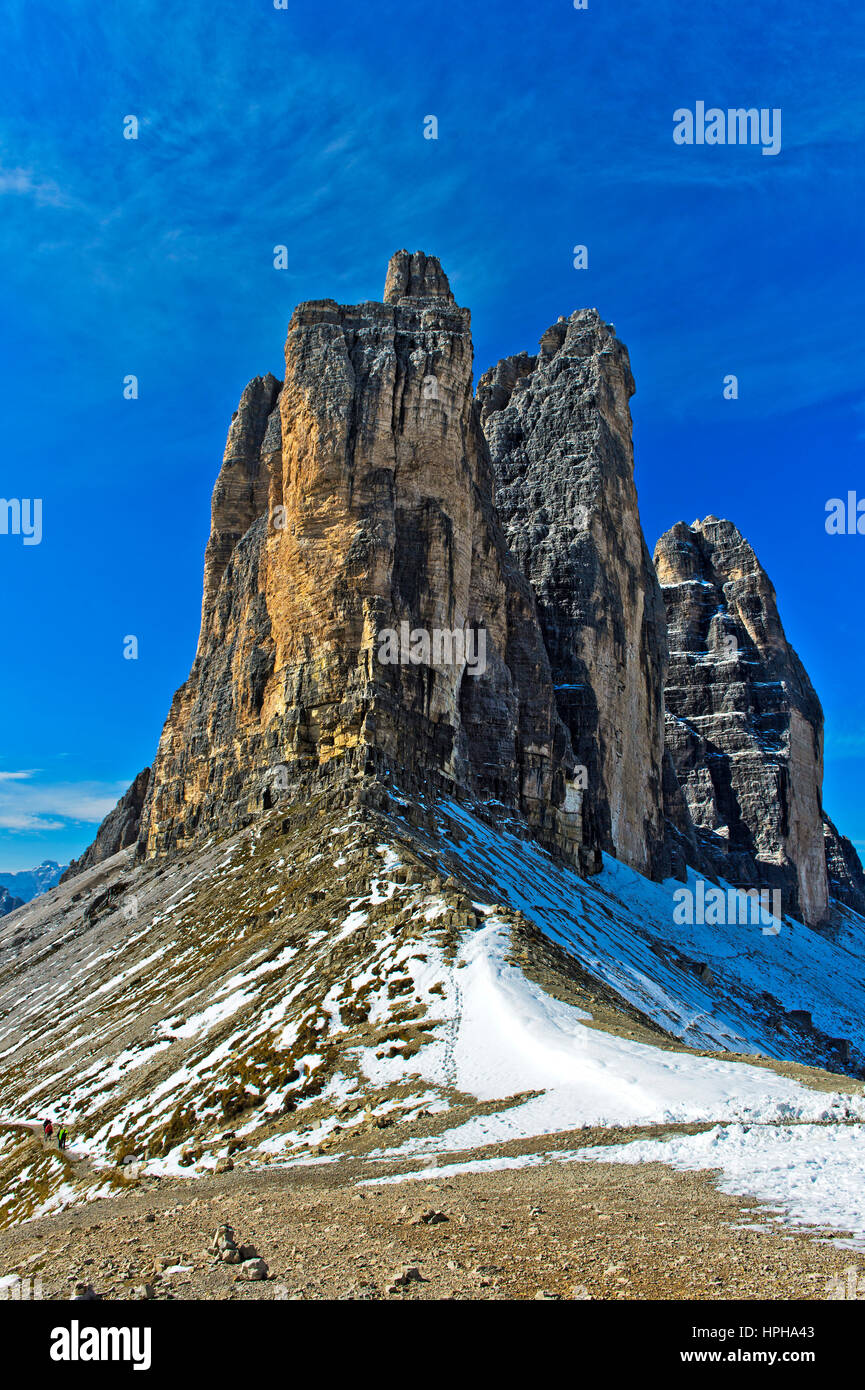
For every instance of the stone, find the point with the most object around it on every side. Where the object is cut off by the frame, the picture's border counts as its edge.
(744, 724)
(429, 1218)
(844, 868)
(558, 426)
(252, 1270)
(119, 829)
(409, 1274)
(224, 1245)
(354, 510)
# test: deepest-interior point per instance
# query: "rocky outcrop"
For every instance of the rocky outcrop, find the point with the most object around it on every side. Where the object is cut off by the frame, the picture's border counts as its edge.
(559, 430)
(844, 868)
(363, 618)
(410, 593)
(241, 491)
(744, 725)
(119, 829)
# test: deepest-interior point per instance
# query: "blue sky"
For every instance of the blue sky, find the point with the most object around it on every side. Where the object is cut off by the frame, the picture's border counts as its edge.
(305, 127)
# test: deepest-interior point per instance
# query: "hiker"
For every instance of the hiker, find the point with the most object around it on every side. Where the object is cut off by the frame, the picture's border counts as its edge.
(62, 1136)
(48, 1129)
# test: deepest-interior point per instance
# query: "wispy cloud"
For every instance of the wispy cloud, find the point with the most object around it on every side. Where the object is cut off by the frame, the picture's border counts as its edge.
(26, 805)
(845, 743)
(25, 183)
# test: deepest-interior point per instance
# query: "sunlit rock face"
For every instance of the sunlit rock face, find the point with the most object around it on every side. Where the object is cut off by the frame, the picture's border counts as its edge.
(363, 619)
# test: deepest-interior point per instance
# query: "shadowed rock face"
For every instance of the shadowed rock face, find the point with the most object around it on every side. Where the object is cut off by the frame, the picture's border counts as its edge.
(559, 430)
(119, 829)
(744, 725)
(353, 498)
(241, 491)
(844, 867)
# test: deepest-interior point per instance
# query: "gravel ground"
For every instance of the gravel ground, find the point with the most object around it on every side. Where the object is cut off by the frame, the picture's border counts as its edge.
(561, 1230)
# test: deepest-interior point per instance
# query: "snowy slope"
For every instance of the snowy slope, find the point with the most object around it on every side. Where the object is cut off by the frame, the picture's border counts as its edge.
(621, 927)
(284, 996)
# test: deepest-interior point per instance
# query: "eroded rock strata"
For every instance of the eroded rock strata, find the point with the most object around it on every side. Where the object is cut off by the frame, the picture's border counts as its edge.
(559, 430)
(744, 725)
(356, 498)
(844, 868)
(367, 502)
(120, 828)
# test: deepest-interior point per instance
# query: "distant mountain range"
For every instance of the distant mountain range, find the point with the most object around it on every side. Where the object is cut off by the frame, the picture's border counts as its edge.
(19, 888)
(7, 902)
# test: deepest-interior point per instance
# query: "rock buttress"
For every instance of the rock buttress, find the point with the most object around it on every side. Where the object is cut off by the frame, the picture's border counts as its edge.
(120, 828)
(744, 725)
(358, 513)
(559, 430)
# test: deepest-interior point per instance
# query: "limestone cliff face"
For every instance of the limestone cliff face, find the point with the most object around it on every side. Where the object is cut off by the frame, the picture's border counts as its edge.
(352, 522)
(241, 491)
(559, 430)
(844, 868)
(744, 725)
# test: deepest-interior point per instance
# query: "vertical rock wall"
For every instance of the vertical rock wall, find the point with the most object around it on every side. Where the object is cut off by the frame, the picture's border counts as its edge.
(559, 431)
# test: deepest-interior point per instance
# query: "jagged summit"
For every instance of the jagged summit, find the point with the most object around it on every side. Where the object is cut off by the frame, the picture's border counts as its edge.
(362, 889)
(744, 724)
(119, 830)
(374, 526)
(241, 492)
(559, 431)
(354, 509)
(414, 275)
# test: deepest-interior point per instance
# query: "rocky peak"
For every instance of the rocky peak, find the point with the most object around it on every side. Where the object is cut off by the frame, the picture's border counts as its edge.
(844, 868)
(415, 276)
(744, 725)
(359, 517)
(241, 491)
(558, 426)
